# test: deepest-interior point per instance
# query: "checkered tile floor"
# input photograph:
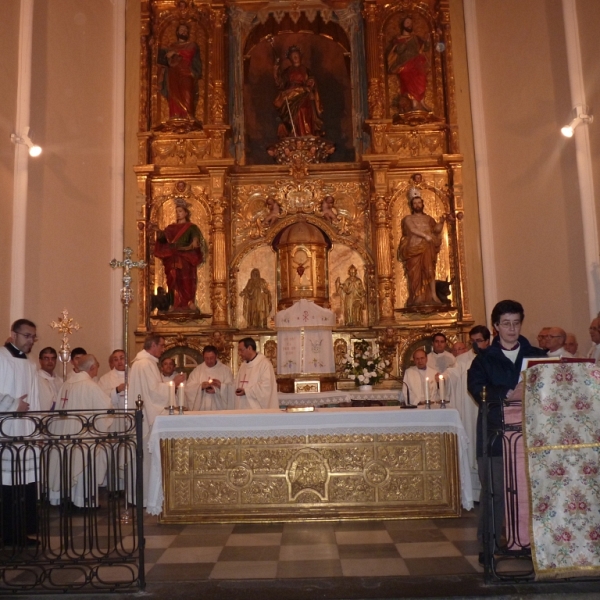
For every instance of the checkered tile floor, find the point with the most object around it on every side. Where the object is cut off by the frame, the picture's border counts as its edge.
(309, 550)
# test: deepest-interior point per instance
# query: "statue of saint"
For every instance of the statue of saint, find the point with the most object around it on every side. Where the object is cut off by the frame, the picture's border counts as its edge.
(408, 61)
(257, 301)
(298, 102)
(418, 250)
(353, 295)
(182, 70)
(328, 209)
(182, 248)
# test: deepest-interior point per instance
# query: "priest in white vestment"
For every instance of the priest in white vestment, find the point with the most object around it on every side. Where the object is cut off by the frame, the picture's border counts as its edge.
(210, 384)
(80, 393)
(145, 380)
(48, 383)
(256, 386)
(19, 393)
(167, 369)
(439, 359)
(419, 378)
(113, 382)
(460, 398)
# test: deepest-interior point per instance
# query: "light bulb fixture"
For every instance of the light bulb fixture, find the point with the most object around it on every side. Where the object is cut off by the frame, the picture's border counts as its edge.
(580, 114)
(34, 149)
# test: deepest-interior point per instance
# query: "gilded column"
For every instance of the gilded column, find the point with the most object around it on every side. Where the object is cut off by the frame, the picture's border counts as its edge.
(375, 93)
(219, 101)
(383, 252)
(219, 263)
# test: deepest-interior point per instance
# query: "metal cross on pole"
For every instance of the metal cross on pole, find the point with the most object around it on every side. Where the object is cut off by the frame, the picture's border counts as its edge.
(126, 297)
(67, 326)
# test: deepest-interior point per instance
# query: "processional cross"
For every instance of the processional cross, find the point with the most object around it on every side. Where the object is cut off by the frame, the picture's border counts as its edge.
(67, 326)
(126, 297)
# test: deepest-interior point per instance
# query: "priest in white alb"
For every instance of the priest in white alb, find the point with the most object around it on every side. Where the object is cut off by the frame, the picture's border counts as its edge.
(79, 393)
(113, 382)
(49, 383)
(256, 386)
(19, 393)
(210, 384)
(145, 380)
(419, 382)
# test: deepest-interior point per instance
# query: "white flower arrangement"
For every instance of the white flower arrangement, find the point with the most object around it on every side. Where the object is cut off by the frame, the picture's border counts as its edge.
(365, 367)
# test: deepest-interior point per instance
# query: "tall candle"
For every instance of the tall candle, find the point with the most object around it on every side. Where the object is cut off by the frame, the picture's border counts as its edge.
(181, 393)
(426, 389)
(442, 388)
(171, 393)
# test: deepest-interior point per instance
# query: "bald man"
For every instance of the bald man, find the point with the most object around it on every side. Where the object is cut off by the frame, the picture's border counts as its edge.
(555, 343)
(415, 380)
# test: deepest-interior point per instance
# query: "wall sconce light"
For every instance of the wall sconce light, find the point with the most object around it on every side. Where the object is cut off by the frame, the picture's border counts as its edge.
(34, 150)
(581, 114)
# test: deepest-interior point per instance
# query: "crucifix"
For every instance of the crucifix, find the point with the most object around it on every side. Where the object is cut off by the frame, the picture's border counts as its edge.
(126, 297)
(243, 382)
(67, 326)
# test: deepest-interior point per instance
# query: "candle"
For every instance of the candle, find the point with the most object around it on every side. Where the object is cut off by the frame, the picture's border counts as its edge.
(181, 393)
(171, 393)
(427, 389)
(210, 380)
(442, 389)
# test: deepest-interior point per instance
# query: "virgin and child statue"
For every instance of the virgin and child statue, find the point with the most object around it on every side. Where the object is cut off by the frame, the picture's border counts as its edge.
(298, 102)
(182, 249)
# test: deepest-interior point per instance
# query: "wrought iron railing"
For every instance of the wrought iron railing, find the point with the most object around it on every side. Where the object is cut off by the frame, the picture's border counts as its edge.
(71, 501)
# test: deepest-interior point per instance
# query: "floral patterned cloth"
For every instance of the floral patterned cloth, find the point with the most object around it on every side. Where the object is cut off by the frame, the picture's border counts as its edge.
(562, 445)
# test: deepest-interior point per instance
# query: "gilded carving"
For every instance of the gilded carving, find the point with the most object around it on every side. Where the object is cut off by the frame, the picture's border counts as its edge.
(433, 454)
(435, 488)
(182, 492)
(403, 488)
(213, 491)
(308, 470)
(375, 99)
(348, 458)
(376, 473)
(340, 350)
(350, 489)
(267, 460)
(405, 457)
(346, 470)
(265, 491)
(206, 460)
(239, 476)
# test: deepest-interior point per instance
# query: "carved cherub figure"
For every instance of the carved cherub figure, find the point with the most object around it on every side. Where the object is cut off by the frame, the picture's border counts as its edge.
(274, 212)
(330, 213)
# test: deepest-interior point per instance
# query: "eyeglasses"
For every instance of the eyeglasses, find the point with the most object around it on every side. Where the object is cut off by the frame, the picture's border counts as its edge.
(553, 336)
(509, 324)
(28, 336)
(594, 329)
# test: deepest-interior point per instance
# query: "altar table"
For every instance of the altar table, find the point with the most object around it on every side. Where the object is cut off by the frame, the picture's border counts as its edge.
(338, 463)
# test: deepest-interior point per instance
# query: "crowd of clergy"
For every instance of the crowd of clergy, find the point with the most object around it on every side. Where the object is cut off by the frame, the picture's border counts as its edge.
(212, 386)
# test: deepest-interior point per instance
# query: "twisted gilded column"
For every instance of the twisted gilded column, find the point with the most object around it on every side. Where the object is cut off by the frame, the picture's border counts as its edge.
(219, 263)
(383, 253)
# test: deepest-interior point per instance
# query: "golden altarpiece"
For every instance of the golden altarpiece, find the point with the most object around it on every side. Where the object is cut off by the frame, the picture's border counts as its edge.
(282, 146)
(247, 187)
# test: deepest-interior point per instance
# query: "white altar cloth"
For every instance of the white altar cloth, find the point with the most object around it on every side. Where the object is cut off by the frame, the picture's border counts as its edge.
(259, 423)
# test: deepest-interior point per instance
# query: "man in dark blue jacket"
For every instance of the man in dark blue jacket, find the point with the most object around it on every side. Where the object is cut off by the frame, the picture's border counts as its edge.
(498, 370)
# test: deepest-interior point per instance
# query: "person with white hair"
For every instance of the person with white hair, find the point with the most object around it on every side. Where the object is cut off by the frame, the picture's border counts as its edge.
(555, 343)
(80, 393)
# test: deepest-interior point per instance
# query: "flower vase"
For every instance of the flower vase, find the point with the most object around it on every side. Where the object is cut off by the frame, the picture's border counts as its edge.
(365, 388)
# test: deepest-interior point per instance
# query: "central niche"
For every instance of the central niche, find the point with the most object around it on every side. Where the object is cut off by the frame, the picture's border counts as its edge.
(302, 261)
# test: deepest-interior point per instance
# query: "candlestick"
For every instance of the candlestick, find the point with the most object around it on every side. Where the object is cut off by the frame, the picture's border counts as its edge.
(171, 394)
(181, 394)
(442, 392)
(427, 392)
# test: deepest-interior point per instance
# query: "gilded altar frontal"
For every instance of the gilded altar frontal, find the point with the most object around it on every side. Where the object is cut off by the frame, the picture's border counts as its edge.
(293, 151)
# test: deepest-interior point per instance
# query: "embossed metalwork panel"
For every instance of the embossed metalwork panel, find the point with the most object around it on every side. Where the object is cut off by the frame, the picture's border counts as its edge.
(313, 477)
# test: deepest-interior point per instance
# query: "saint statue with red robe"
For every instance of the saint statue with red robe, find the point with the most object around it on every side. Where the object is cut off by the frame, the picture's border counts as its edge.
(182, 249)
